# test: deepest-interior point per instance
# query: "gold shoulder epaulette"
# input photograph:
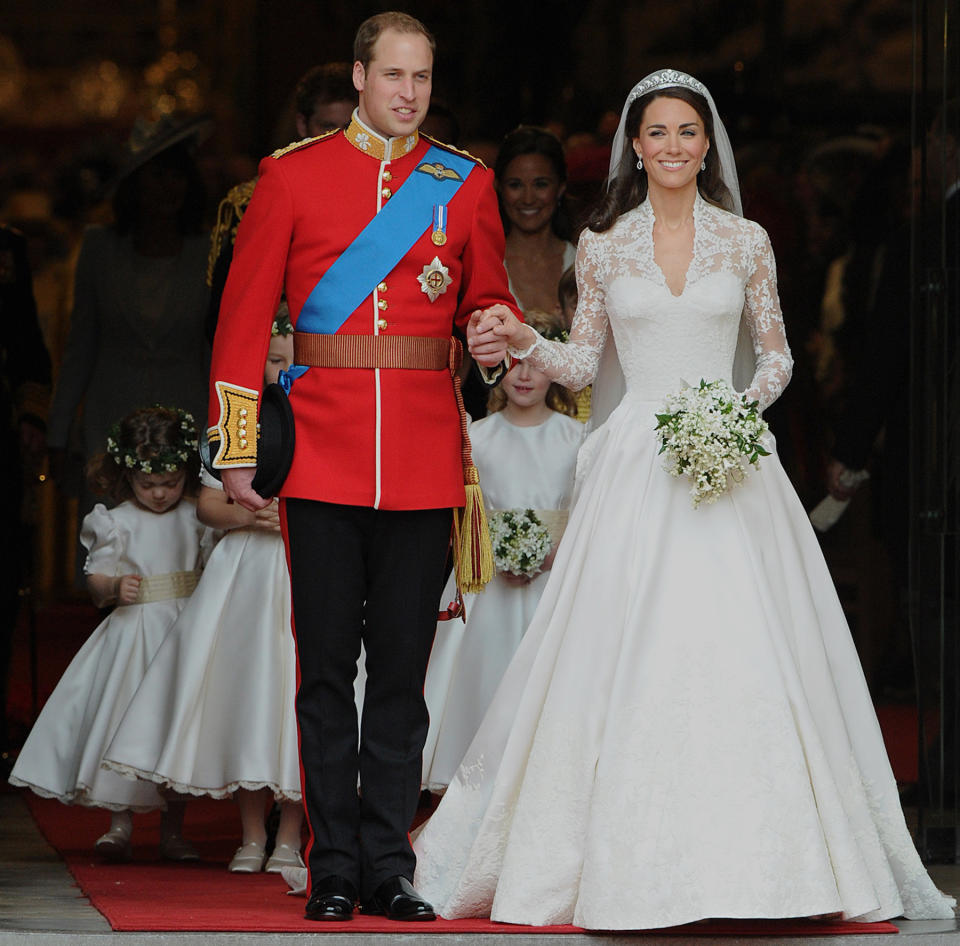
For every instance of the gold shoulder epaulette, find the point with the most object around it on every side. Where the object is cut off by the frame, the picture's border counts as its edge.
(229, 212)
(446, 147)
(302, 143)
(239, 196)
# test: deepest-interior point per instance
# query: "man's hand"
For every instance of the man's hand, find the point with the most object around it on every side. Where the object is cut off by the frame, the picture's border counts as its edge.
(237, 485)
(488, 347)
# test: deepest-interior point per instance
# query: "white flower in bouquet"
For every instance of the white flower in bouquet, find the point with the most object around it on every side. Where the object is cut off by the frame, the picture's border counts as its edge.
(711, 433)
(520, 541)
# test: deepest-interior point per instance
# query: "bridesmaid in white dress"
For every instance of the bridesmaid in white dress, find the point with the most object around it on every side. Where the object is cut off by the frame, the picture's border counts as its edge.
(685, 731)
(526, 452)
(144, 557)
(215, 713)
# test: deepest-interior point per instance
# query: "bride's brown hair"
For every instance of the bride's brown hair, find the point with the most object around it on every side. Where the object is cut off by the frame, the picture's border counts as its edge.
(629, 187)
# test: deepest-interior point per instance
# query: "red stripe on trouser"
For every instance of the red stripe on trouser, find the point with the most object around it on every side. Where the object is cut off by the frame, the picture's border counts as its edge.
(293, 630)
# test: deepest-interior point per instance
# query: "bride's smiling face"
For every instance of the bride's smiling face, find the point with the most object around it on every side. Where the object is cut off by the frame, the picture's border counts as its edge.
(672, 142)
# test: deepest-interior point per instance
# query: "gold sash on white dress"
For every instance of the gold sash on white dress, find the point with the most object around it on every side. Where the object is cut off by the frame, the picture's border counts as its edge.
(166, 586)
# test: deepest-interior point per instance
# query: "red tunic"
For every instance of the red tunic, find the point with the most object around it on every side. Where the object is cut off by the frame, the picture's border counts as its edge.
(387, 438)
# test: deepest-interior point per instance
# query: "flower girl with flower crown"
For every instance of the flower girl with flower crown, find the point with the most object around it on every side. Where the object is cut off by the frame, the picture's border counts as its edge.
(525, 450)
(228, 727)
(143, 559)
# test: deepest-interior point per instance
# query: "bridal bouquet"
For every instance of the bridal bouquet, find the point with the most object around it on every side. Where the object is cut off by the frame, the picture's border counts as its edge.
(710, 433)
(520, 541)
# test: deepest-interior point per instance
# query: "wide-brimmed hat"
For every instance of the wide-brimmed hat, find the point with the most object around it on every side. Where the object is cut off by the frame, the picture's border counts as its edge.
(150, 138)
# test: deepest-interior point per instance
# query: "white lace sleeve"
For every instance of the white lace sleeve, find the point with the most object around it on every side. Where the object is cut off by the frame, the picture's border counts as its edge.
(574, 363)
(765, 321)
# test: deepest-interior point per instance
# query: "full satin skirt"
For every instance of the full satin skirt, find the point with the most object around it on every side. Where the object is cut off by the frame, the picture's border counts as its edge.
(685, 731)
(215, 712)
(466, 665)
(63, 753)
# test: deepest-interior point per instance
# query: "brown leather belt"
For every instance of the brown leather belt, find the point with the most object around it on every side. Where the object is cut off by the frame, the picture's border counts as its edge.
(371, 351)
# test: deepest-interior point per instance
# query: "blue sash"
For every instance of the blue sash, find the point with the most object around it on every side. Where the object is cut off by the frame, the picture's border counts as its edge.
(383, 242)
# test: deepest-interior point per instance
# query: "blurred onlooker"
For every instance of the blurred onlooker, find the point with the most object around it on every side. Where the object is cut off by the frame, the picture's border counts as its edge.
(441, 123)
(24, 395)
(872, 343)
(866, 363)
(324, 100)
(531, 175)
(136, 330)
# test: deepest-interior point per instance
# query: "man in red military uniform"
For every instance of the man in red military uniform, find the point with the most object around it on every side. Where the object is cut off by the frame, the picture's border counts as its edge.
(383, 241)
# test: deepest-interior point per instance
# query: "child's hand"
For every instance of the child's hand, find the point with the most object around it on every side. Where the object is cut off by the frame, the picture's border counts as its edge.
(268, 518)
(127, 589)
(518, 581)
(515, 581)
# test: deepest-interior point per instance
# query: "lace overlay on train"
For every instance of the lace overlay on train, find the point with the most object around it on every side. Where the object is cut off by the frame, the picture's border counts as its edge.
(685, 731)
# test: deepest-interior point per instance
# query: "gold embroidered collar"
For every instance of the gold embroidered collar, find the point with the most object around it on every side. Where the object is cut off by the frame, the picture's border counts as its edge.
(365, 139)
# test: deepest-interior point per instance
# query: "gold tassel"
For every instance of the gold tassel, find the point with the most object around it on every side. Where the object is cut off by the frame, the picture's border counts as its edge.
(472, 551)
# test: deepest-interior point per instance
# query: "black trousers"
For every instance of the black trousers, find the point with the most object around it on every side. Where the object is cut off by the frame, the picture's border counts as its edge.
(376, 576)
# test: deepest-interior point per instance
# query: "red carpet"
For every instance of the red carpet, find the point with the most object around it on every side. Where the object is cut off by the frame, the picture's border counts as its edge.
(148, 894)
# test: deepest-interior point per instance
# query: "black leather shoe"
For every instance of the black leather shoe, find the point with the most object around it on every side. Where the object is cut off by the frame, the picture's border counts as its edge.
(331, 898)
(396, 899)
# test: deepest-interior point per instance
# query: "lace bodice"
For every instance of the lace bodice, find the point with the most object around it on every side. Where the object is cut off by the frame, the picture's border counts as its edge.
(664, 340)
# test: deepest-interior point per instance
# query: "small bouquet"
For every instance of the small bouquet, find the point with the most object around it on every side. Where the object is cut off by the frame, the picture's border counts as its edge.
(710, 433)
(520, 541)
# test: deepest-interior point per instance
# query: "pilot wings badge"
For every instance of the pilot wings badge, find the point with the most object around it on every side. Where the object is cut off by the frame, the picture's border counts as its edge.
(434, 279)
(439, 171)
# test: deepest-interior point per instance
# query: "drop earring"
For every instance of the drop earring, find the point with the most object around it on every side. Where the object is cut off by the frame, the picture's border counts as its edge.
(703, 165)
(639, 163)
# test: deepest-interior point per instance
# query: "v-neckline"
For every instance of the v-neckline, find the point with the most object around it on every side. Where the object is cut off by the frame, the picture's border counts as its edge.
(693, 250)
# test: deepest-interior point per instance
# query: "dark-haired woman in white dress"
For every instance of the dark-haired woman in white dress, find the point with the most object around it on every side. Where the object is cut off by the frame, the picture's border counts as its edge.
(685, 731)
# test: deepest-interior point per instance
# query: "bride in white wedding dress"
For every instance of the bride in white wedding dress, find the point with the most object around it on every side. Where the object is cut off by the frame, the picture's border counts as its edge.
(685, 731)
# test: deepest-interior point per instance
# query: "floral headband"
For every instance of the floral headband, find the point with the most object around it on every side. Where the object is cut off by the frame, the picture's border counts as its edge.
(556, 334)
(167, 459)
(282, 324)
(548, 326)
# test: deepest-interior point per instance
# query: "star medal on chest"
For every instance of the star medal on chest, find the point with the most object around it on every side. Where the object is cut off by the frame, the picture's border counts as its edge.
(434, 279)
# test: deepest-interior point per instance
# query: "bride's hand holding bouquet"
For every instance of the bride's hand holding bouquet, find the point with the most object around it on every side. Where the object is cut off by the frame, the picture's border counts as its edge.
(711, 434)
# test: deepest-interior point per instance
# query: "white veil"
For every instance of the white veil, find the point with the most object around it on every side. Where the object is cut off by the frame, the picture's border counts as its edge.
(609, 386)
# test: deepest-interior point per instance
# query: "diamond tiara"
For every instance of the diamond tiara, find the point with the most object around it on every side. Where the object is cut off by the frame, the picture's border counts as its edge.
(664, 79)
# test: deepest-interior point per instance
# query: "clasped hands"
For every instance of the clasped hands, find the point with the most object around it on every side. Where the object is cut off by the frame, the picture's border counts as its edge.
(491, 331)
